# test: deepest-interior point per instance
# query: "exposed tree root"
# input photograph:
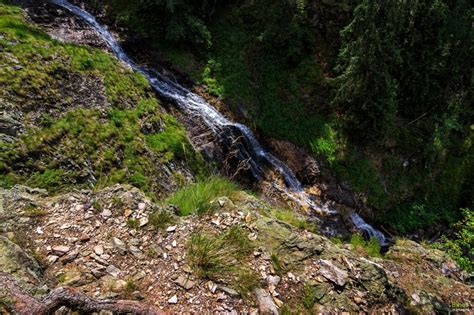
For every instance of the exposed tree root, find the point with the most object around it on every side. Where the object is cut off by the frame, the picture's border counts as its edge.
(25, 304)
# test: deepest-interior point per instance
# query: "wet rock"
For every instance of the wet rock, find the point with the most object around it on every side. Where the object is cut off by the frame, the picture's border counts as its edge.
(331, 272)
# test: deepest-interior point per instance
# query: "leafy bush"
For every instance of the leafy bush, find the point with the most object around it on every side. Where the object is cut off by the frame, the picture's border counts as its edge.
(195, 198)
(461, 247)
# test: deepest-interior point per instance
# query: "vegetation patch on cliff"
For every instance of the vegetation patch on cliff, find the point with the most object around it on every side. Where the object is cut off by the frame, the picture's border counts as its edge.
(88, 120)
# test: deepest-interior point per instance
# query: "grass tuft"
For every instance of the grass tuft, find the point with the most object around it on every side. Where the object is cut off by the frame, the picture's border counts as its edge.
(293, 218)
(195, 198)
(220, 258)
(161, 219)
(370, 247)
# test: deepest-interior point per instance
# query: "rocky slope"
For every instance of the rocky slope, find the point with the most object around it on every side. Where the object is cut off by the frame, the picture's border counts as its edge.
(80, 129)
(117, 244)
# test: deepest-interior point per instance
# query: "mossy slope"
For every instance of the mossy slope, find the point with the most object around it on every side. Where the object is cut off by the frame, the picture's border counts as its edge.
(88, 120)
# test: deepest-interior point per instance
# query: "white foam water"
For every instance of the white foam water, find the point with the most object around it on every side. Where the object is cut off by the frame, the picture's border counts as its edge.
(195, 105)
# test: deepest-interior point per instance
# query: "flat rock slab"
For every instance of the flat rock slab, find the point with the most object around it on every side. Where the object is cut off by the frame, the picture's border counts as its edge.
(185, 282)
(333, 273)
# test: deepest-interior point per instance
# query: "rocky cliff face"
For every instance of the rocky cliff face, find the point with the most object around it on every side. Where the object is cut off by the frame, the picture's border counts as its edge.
(88, 151)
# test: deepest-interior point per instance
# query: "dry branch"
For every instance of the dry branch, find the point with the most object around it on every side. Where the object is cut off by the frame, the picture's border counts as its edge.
(25, 304)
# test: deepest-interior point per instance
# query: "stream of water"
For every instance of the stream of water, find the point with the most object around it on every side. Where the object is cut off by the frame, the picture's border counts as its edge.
(195, 105)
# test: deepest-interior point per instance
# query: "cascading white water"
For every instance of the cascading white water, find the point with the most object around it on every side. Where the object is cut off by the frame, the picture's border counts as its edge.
(193, 104)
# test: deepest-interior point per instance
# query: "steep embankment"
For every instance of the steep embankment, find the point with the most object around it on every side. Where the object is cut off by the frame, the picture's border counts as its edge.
(73, 116)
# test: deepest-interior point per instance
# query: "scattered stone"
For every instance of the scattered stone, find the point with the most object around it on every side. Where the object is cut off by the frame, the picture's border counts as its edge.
(98, 272)
(106, 213)
(127, 213)
(98, 259)
(60, 249)
(229, 291)
(139, 275)
(173, 300)
(119, 244)
(70, 257)
(171, 228)
(134, 242)
(65, 226)
(335, 274)
(99, 249)
(39, 230)
(212, 286)
(184, 282)
(143, 222)
(84, 238)
(119, 285)
(135, 250)
(141, 206)
(113, 271)
(52, 259)
(273, 280)
(265, 301)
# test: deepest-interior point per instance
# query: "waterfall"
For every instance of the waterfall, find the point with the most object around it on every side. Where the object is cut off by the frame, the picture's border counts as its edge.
(195, 105)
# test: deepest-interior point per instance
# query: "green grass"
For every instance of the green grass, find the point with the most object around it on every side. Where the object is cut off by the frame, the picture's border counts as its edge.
(309, 298)
(195, 198)
(43, 60)
(220, 258)
(293, 218)
(161, 219)
(370, 247)
(109, 140)
(133, 223)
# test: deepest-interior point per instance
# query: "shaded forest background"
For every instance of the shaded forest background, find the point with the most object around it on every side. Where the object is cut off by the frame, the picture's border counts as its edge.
(382, 91)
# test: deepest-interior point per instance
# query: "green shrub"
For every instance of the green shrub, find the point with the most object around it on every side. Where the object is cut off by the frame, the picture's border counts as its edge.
(309, 298)
(195, 198)
(160, 219)
(133, 223)
(461, 246)
(48, 178)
